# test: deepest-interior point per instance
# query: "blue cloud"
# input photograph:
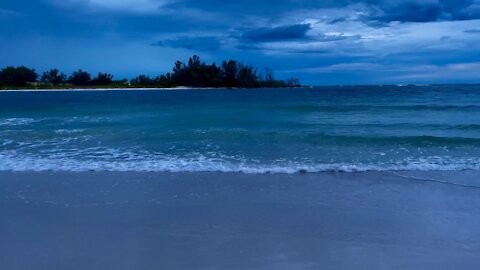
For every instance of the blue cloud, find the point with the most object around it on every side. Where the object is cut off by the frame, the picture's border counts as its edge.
(412, 12)
(272, 34)
(192, 43)
(472, 31)
(382, 10)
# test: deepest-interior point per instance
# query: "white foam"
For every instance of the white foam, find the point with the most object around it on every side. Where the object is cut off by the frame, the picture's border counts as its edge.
(68, 131)
(17, 121)
(133, 162)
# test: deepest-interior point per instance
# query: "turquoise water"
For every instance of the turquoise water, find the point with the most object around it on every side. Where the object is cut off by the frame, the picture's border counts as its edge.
(253, 131)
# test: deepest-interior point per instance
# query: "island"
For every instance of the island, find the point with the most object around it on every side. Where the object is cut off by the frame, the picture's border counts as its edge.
(194, 74)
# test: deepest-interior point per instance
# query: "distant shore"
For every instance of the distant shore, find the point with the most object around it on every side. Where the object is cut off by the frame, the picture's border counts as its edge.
(102, 89)
(134, 88)
(115, 88)
(194, 73)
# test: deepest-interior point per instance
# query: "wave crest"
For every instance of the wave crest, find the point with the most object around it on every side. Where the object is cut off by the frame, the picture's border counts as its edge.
(11, 162)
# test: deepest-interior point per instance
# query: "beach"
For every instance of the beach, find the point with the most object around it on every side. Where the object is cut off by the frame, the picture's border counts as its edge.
(239, 135)
(322, 178)
(142, 220)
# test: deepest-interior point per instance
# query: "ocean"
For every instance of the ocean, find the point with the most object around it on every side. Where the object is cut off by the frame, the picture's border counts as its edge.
(347, 129)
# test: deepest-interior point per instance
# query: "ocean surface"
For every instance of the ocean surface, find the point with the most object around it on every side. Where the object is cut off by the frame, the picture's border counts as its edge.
(362, 128)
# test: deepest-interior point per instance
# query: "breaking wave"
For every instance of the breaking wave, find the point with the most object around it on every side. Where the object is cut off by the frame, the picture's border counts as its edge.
(130, 162)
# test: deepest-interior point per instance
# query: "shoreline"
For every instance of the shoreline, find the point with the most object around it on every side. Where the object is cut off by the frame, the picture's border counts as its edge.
(238, 221)
(107, 89)
(227, 88)
(141, 89)
(468, 177)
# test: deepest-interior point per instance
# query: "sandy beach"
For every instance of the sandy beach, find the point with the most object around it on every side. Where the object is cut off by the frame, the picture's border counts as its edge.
(239, 135)
(102, 220)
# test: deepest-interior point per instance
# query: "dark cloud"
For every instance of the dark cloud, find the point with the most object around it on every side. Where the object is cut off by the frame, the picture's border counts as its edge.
(282, 33)
(470, 12)
(380, 10)
(428, 11)
(411, 12)
(206, 43)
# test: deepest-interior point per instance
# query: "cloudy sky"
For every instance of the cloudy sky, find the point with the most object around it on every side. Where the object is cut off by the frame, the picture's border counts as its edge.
(319, 41)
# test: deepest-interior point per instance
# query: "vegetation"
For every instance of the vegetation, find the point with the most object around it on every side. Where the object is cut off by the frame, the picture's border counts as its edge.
(195, 73)
(53, 77)
(80, 77)
(17, 76)
(103, 79)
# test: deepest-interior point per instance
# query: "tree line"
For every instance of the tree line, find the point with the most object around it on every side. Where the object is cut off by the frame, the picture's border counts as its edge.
(194, 73)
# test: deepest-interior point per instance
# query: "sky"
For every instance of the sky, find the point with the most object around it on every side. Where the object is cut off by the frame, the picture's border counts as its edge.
(322, 42)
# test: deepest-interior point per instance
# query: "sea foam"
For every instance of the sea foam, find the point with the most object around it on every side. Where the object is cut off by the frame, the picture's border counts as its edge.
(135, 163)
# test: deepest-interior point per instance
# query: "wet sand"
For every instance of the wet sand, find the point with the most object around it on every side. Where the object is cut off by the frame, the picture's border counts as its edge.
(99, 220)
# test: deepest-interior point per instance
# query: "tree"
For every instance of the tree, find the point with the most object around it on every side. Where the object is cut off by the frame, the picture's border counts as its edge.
(194, 62)
(269, 80)
(178, 67)
(229, 73)
(53, 77)
(164, 80)
(212, 76)
(80, 77)
(18, 76)
(143, 80)
(293, 82)
(103, 79)
(195, 73)
(122, 81)
(247, 77)
(179, 73)
(269, 77)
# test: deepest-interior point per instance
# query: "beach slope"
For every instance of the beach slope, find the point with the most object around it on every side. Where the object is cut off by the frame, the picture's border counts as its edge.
(108, 220)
